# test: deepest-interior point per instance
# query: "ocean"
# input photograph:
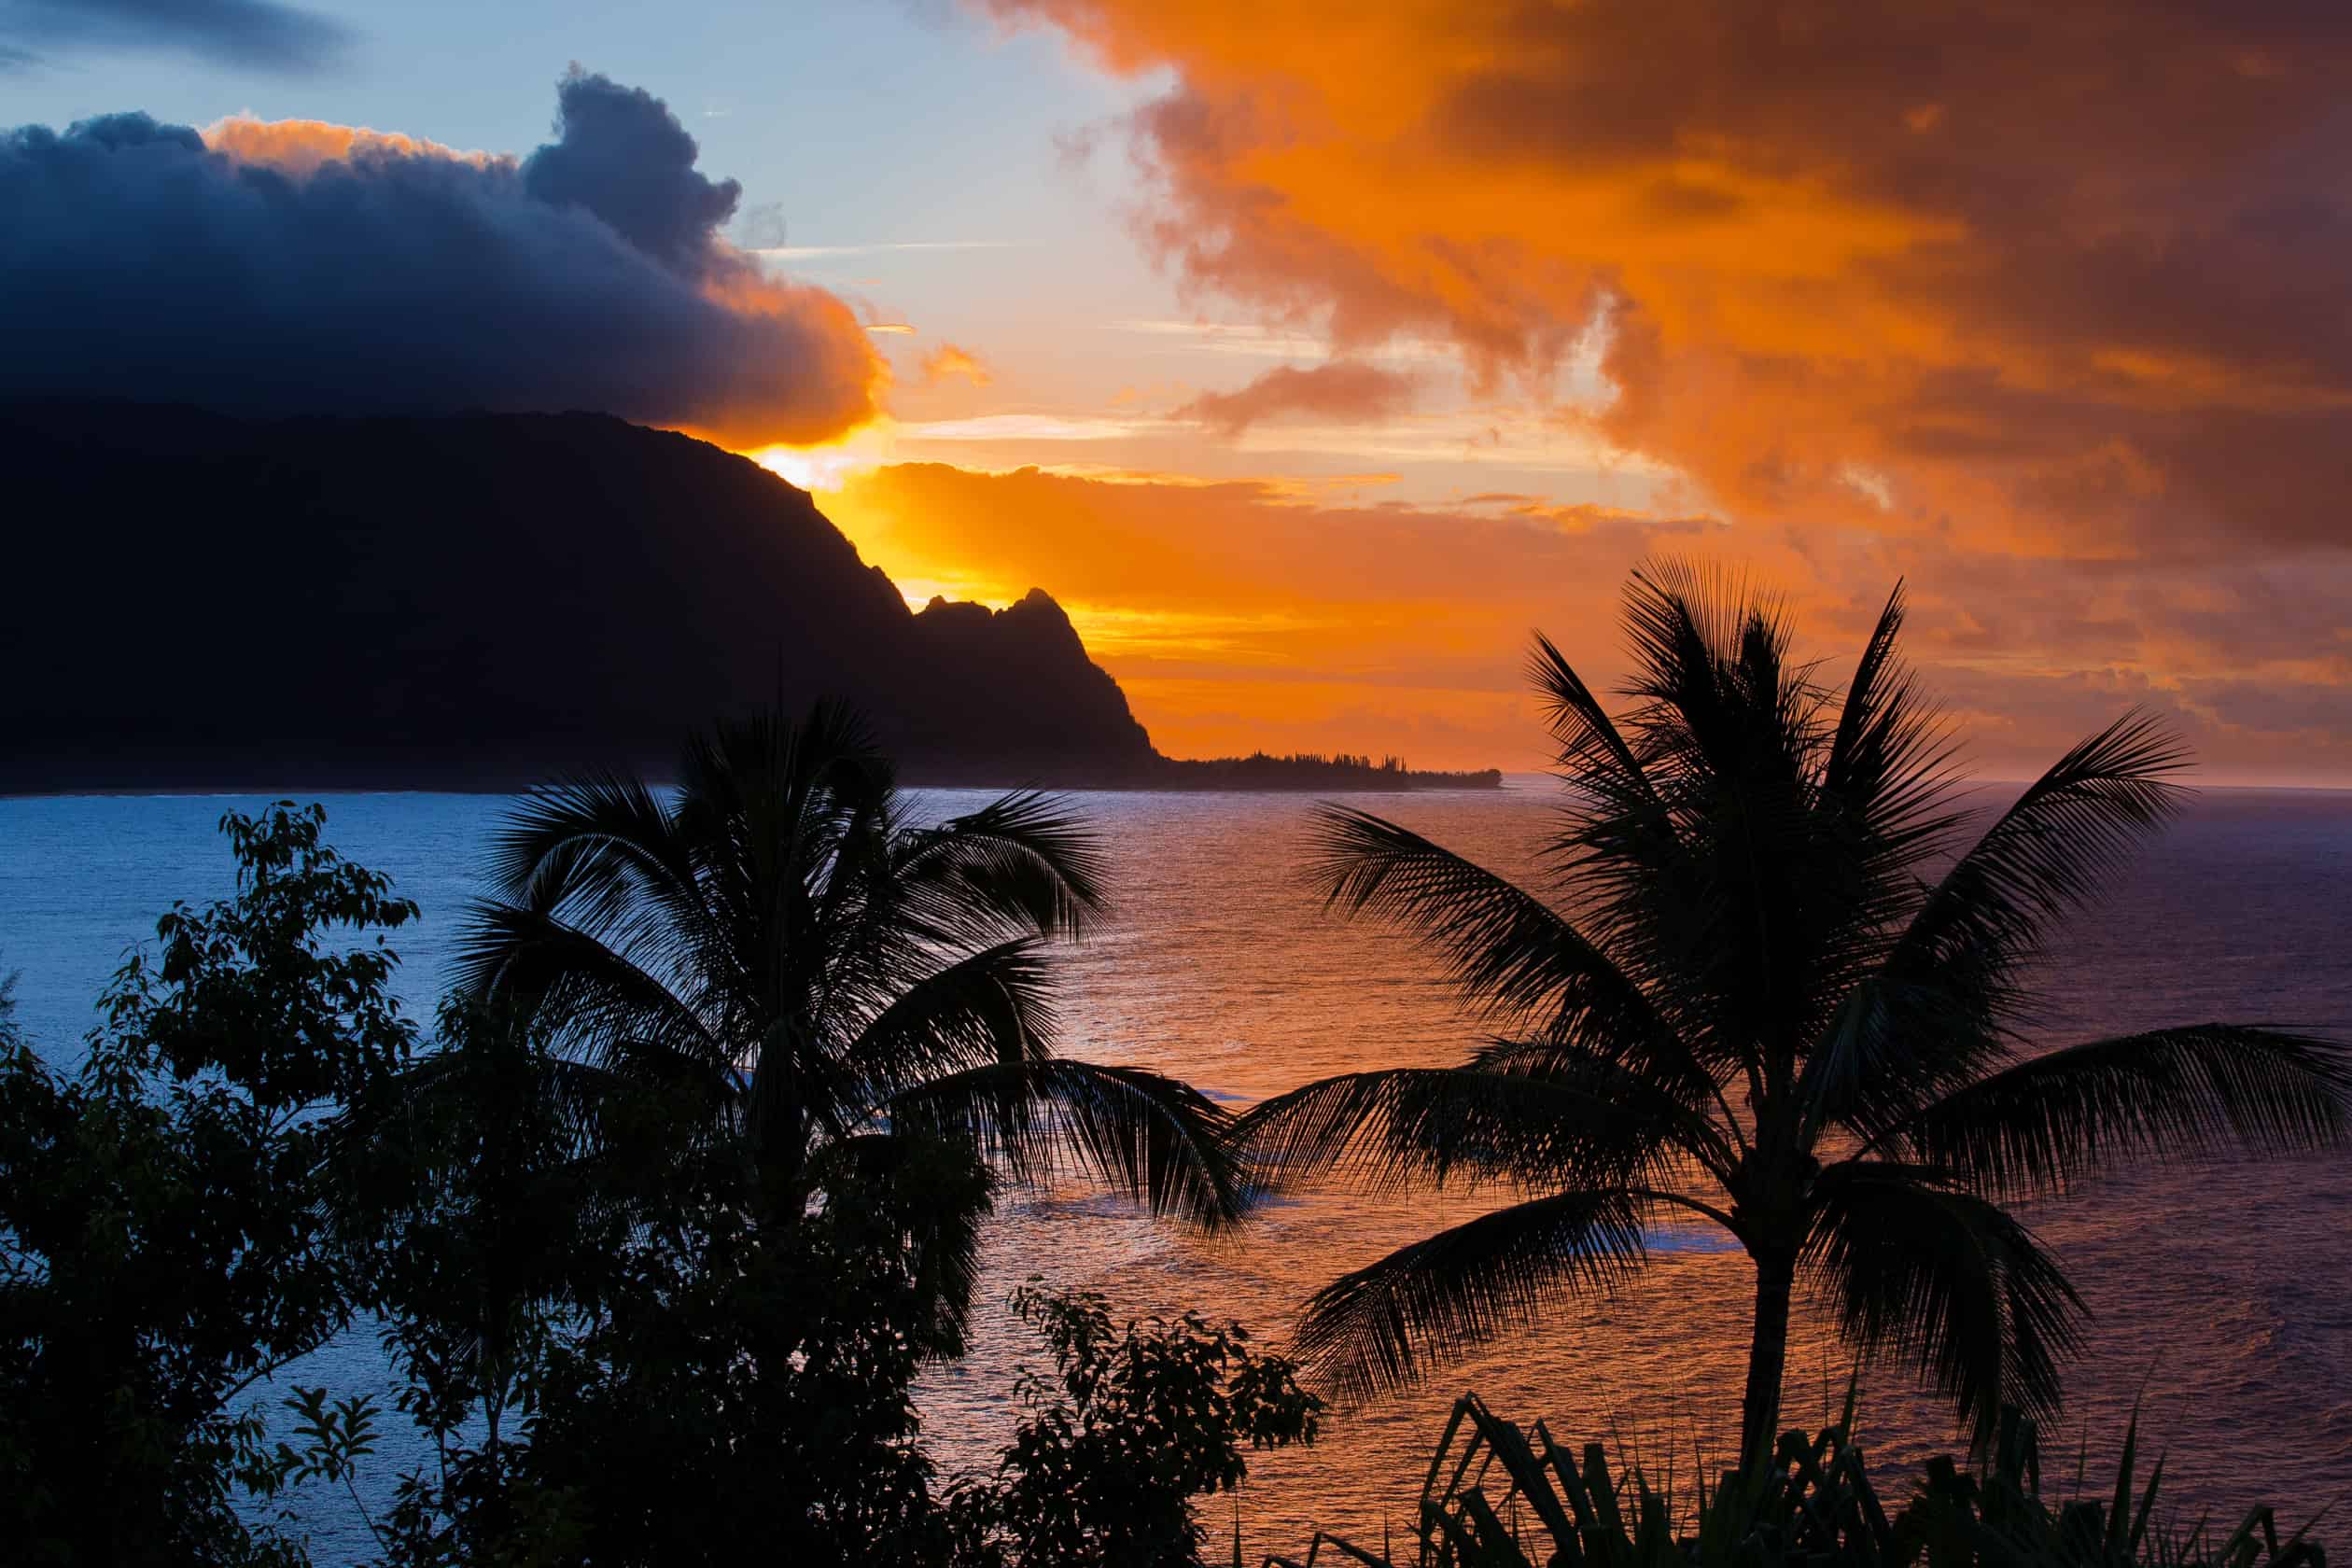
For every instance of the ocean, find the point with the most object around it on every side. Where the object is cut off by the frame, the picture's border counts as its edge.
(2221, 1294)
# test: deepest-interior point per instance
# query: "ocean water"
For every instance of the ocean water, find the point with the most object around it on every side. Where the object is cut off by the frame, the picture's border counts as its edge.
(2221, 1294)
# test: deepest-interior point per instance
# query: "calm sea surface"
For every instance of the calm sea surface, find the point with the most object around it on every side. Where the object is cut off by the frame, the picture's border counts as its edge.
(2222, 1296)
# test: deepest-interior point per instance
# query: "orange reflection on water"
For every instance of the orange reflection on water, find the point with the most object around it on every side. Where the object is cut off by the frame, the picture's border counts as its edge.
(2217, 1291)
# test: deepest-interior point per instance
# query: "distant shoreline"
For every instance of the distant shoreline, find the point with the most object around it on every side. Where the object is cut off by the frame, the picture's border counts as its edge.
(1423, 781)
(1176, 775)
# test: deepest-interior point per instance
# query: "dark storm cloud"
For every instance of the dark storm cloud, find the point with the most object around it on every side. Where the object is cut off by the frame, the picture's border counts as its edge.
(253, 33)
(625, 157)
(299, 266)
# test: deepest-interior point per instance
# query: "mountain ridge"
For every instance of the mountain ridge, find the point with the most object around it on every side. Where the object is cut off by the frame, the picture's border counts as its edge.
(477, 601)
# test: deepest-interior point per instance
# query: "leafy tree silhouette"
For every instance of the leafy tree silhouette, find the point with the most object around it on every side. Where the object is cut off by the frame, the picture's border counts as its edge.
(851, 994)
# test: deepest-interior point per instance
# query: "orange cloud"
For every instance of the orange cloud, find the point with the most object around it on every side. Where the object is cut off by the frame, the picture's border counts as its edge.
(301, 146)
(949, 361)
(1342, 389)
(2068, 279)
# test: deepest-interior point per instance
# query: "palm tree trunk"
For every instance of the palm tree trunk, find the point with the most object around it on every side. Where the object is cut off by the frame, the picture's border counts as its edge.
(1767, 1357)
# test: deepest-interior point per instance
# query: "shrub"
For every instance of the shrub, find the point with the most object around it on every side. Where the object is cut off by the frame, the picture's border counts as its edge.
(164, 1238)
(1134, 1424)
(1497, 1498)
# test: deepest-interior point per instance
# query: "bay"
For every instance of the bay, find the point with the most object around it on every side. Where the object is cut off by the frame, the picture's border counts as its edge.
(2221, 1294)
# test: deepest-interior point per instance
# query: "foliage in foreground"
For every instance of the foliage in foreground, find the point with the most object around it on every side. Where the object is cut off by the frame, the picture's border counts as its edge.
(829, 985)
(1499, 1497)
(1134, 1425)
(617, 1347)
(1107, 1461)
(658, 1366)
(167, 1240)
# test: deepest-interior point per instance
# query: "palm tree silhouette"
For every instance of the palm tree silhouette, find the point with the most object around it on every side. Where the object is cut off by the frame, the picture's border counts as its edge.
(1779, 993)
(847, 992)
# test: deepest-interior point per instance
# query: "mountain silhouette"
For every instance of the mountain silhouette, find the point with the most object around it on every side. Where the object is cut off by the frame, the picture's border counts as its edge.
(474, 601)
(477, 601)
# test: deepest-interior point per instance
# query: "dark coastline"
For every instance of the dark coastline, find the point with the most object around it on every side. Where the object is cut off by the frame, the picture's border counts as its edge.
(1172, 776)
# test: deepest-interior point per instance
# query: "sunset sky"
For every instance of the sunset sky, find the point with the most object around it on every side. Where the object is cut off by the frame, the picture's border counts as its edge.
(1312, 356)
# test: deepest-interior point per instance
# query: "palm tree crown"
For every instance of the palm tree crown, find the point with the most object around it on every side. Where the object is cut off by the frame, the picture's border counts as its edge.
(844, 985)
(1780, 990)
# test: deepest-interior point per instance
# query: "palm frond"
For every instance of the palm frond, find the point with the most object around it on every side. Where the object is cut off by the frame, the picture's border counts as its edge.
(1506, 950)
(1592, 754)
(1889, 757)
(1384, 1325)
(559, 819)
(822, 767)
(1404, 1127)
(2040, 1126)
(1148, 1136)
(1945, 1281)
(1893, 1046)
(2045, 857)
(1671, 1086)
(995, 1004)
(590, 848)
(773, 808)
(1888, 781)
(566, 979)
(1022, 864)
(1710, 678)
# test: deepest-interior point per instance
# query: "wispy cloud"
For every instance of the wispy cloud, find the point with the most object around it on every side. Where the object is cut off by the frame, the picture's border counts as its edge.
(257, 33)
(813, 253)
(1274, 342)
(1032, 426)
(1339, 389)
(1522, 439)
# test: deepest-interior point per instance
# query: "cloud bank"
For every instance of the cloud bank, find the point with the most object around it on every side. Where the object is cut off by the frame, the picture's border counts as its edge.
(2068, 278)
(2041, 306)
(302, 267)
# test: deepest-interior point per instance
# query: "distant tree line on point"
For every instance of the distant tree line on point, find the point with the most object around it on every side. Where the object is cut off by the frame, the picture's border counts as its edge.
(1314, 770)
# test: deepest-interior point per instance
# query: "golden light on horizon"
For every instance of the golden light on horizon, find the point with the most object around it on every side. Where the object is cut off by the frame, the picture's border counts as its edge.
(826, 465)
